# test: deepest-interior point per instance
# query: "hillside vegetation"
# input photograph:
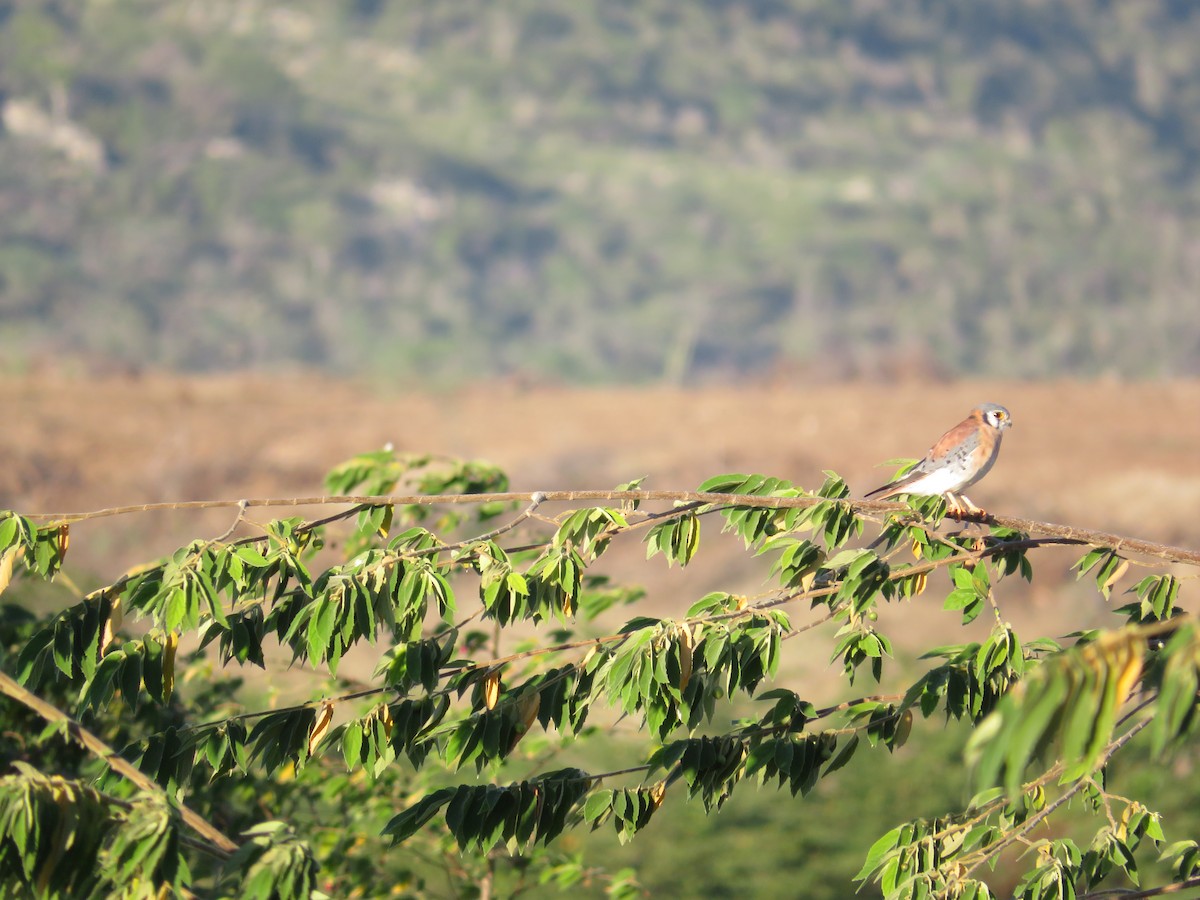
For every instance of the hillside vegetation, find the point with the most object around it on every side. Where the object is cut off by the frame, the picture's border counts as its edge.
(602, 190)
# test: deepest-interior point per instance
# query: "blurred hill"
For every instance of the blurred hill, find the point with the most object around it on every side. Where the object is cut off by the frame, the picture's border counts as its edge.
(602, 191)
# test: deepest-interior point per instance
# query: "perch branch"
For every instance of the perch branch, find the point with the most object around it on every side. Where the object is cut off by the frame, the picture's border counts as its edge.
(1065, 533)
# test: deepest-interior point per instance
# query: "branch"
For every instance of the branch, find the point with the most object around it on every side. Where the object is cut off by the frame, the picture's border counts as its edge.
(535, 501)
(1108, 540)
(1126, 894)
(1066, 533)
(228, 532)
(221, 845)
(1033, 821)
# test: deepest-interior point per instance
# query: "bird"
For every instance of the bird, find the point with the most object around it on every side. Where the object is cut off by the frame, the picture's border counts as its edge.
(958, 459)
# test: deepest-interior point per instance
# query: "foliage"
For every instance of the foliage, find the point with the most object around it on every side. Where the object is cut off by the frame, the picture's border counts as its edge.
(450, 753)
(436, 189)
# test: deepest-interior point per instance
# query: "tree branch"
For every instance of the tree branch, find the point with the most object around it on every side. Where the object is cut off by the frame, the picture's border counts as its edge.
(1127, 894)
(221, 845)
(1032, 822)
(1066, 533)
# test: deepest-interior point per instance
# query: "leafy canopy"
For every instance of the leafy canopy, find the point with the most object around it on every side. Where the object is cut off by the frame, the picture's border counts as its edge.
(499, 652)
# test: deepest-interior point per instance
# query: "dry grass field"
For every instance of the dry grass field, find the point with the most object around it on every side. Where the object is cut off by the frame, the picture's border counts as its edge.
(1112, 456)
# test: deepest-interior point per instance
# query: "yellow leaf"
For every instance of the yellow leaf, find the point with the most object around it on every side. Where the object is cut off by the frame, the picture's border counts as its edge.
(916, 549)
(320, 725)
(491, 689)
(111, 624)
(168, 663)
(919, 583)
(385, 716)
(64, 538)
(1131, 669)
(741, 601)
(657, 793)
(1112, 579)
(6, 567)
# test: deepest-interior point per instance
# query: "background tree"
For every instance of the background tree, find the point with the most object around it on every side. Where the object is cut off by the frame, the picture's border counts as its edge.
(462, 765)
(434, 190)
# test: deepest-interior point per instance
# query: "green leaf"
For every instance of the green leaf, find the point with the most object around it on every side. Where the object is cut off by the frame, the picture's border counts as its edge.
(844, 755)
(407, 823)
(320, 628)
(724, 484)
(878, 852)
(131, 674)
(598, 806)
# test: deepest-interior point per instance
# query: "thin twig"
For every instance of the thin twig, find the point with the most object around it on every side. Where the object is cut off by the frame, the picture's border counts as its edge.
(535, 501)
(241, 515)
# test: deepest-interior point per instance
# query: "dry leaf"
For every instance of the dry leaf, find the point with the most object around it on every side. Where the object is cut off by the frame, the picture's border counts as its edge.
(657, 793)
(64, 538)
(6, 567)
(1116, 575)
(1129, 661)
(320, 725)
(111, 624)
(491, 689)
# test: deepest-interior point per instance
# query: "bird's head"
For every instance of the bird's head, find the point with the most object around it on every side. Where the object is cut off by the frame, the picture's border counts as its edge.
(995, 415)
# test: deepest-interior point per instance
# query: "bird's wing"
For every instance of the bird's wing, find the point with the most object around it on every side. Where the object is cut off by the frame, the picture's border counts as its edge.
(916, 473)
(963, 437)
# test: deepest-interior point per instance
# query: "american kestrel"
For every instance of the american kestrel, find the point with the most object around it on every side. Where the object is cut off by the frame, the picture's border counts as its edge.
(961, 457)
